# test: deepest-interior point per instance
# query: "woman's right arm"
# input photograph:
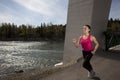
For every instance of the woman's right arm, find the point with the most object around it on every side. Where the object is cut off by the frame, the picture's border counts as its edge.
(76, 42)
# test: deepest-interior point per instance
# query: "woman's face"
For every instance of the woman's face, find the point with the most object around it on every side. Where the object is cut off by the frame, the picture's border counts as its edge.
(86, 29)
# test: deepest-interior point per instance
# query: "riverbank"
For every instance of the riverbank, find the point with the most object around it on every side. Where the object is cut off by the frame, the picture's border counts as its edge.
(32, 39)
(35, 74)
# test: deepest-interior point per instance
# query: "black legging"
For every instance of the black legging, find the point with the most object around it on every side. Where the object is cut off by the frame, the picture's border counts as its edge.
(87, 55)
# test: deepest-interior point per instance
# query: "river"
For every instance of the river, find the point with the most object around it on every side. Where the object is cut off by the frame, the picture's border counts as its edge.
(18, 55)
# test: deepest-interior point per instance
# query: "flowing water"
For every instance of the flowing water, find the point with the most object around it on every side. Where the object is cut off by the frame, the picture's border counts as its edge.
(18, 55)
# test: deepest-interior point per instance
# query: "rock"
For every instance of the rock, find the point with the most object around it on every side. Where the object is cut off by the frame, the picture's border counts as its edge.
(19, 71)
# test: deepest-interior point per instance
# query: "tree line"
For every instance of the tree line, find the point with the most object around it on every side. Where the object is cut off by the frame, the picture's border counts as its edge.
(10, 31)
(25, 32)
(113, 25)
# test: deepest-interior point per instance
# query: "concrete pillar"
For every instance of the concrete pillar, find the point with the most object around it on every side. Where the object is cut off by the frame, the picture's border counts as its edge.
(81, 12)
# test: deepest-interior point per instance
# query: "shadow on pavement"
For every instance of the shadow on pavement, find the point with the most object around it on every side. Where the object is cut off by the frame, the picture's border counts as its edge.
(96, 78)
(112, 54)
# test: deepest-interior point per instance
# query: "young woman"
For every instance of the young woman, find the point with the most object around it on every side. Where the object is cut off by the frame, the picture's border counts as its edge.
(88, 49)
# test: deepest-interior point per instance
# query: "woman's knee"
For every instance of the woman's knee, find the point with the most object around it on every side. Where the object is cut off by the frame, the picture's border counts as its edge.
(84, 64)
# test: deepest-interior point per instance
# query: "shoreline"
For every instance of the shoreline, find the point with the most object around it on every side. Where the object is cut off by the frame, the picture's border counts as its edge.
(36, 74)
(32, 39)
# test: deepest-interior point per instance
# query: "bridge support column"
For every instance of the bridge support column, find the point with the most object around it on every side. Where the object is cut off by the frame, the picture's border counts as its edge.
(81, 12)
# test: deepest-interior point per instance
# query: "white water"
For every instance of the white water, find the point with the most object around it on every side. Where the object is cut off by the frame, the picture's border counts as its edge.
(15, 55)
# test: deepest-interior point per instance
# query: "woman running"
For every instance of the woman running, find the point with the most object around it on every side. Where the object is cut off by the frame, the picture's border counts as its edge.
(88, 49)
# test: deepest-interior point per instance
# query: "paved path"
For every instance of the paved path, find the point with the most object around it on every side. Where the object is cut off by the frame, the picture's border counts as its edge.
(106, 65)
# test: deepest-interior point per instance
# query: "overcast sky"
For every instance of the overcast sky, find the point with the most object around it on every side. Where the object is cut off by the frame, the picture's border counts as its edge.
(36, 12)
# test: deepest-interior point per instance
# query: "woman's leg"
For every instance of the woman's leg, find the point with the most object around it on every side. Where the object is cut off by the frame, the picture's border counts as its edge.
(87, 57)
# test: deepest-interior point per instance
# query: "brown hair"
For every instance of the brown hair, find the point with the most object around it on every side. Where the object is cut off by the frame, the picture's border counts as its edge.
(88, 27)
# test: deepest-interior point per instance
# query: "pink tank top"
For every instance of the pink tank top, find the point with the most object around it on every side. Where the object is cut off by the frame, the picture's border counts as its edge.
(86, 44)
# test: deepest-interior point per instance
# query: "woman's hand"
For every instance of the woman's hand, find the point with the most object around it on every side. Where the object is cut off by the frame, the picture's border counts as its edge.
(93, 52)
(74, 40)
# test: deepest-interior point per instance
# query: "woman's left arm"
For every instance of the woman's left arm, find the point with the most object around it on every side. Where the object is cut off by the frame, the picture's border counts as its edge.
(96, 44)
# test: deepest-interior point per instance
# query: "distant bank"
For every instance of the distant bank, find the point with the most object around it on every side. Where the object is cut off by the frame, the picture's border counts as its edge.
(32, 39)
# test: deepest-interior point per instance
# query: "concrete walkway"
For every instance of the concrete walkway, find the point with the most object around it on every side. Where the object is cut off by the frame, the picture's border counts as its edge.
(106, 65)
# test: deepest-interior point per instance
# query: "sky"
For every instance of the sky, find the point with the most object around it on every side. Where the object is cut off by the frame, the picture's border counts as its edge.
(35, 12)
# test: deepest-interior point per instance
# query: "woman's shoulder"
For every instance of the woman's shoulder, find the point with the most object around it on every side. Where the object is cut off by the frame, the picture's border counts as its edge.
(92, 37)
